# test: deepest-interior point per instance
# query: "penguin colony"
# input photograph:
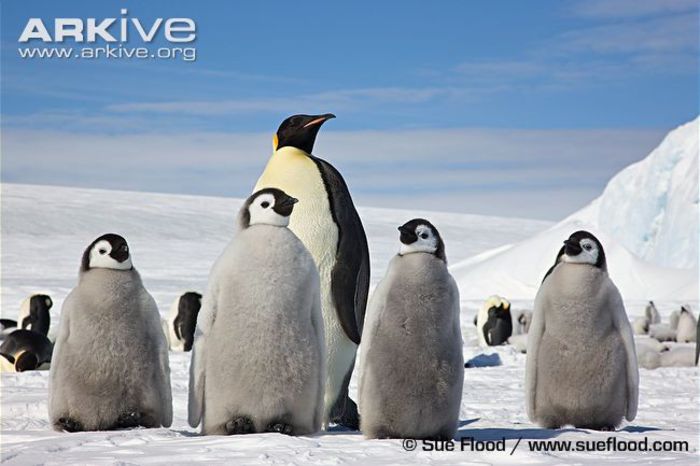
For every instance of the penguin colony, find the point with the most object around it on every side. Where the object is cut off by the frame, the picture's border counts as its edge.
(275, 337)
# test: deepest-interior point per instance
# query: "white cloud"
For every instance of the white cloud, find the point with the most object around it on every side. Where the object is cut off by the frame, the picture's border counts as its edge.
(666, 34)
(341, 99)
(526, 173)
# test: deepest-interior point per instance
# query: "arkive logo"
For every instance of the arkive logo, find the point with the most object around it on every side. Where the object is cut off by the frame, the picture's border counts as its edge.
(110, 30)
(109, 38)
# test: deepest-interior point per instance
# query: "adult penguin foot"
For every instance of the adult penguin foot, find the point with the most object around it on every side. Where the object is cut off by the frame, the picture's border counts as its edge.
(69, 425)
(240, 425)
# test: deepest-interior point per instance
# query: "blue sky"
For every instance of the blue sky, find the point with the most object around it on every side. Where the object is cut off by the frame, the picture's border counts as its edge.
(507, 108)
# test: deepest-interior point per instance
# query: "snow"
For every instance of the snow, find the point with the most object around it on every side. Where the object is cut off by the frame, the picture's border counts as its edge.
(652, 206)
(646, 219)
(175, 240)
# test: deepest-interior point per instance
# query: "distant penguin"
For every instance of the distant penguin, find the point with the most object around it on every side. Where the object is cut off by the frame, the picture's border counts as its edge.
(583, 374)
(494, 323)
(110, 364)
(25, 350)
(652, 314)
(258, 357)
(182, 321)
(673, 319)
(648, 352)
(640, 325)
(411, 367)
(662, 332)
(678, 356)
(328, 224)
(651, 357)
(34, 313)
(687, 326)
(524, 320)
(519, 342)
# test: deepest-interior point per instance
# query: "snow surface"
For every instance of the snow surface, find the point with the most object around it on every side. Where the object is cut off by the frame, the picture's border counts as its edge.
(175, 240)
(646, 219)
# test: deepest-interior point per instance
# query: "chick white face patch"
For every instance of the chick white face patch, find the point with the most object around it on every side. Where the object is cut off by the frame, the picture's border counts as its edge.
(588, 255)
(425, 242)
(100, 257)
(262, 212)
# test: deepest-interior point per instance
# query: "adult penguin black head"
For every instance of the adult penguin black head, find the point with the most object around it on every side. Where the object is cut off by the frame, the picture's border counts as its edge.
(38, 318)
(300, 131)
(419, 235)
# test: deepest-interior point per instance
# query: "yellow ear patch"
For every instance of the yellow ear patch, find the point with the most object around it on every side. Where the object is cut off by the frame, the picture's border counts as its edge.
(275, 142)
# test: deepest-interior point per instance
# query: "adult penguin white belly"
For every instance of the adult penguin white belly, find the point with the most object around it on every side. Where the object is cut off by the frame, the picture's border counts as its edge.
(328, 224)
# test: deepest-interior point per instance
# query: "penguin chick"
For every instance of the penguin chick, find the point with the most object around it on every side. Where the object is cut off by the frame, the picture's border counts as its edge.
(687, 326)
(640, 325)
(258, 356)
(524, 320)
(413, 322)
(519, 342)
(585, 374)
(673, 319)
(110, 364)
(651, 313)
(662, 332)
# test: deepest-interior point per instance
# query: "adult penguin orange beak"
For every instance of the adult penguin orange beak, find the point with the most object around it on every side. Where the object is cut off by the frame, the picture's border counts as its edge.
(319, 120)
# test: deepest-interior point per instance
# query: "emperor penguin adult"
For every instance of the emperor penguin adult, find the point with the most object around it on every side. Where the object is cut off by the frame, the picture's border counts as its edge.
(581, 362)
(182, 320)
(109, 368)
(24, 350)
(34, 313)
(328, 224)
(258, 356)
(494, 322)
(411, 363)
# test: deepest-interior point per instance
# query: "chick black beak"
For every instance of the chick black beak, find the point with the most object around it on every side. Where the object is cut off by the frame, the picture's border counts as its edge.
(121, 253)
(572, 247)
(408, 236)
(285, 205)
(319, 120)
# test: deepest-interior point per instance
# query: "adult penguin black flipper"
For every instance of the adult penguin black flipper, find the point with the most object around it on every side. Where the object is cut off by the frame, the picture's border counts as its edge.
(7, 326)
(350, 275)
